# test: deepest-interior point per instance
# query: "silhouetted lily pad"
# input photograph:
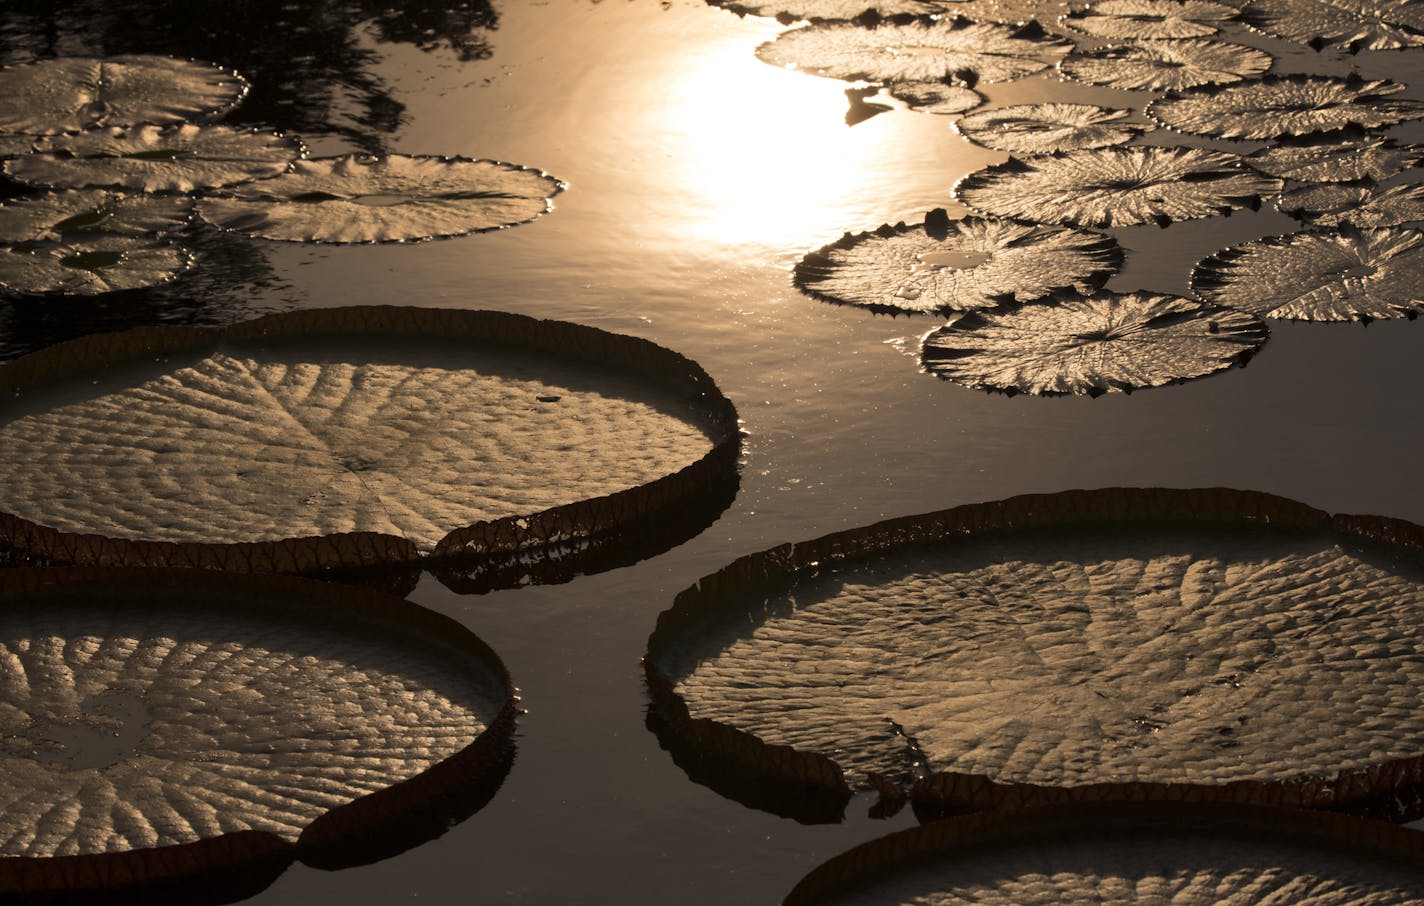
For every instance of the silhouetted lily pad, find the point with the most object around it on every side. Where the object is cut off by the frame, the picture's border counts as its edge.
(89, 265)
(87, 212)
(1165, 65)
(1116, 186)
(1358, 205)
(1042, 128)
(150, 709)
(1107, 342)
(967, 264)
(67, 94)
(179, 158)
(836, 10)
(1137, 20)
(1323, 275)
(1326, 159)
(936, 97)
(360, 198)
(965, 51)
(1285, 105)
(1354, 24)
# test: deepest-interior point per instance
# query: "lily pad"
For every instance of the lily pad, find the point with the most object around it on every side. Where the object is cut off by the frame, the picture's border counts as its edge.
(1357, 205)
(1137, 20)
(67, 94)
(1285, 105)
(957, 49)
(1326, 159)
(146, 710)
(1353, 24)
(939, 98)
(83, 265)
(789, 11)
(1042, 128)
(1117, 186)
(10, 145)
(360, 198)
(181, 158)
(351, 437)
(1108, 342)
(1167, 65)
(1323, 275)
(958, 265)
(84, 213)
(1066, 642)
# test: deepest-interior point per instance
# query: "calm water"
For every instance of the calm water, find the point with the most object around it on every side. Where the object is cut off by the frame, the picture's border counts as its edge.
(697, 176)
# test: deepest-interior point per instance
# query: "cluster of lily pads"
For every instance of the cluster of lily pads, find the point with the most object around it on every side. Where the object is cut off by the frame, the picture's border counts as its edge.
(1020, 278)
(127, 153)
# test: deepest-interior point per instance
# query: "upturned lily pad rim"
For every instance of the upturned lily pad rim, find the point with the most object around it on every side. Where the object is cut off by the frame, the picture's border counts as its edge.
(371, 827)
(813, 788)
(1362, 838)
(530, 534)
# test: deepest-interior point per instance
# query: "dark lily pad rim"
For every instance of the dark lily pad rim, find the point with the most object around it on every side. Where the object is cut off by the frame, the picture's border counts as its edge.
(1361, 838)
(371, 827)
(187, 260)
(813, 788)
(537, 536)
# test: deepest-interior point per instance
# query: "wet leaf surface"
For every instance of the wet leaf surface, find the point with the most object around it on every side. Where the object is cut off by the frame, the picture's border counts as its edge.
(359, 198)
(1285, 105)
(1325, 159)
(969, 264)
(67, 94)
(965, 51)
(1353, 24)
(1324, 275)
(79, 213)
(1043, 128)
(836, 10)
(1136, 20)
(936, 97)
(1104, 343)
(180, 158)
(1357, 205)
(1165, 65)
(1116, 186)
(90, 265)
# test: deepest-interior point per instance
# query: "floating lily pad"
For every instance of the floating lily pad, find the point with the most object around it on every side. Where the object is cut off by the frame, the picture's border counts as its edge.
(1065, 642)
(180, 158)
(350, 437)
(1354, 24)
(80, 265)
(1108, 342)
(10, 145)
(144, 710)
(936, 97)
(1357, 205)
(960, 265)
(1325, 159)
(1136, 20)
(359, 198)
(965, 51)
(1013, 12)
(84, 213)
(67, 94)
(1117, 186)
(1165, 65)
(1285, 105)
(836, 10)
(1042, 128)
(1325, 275)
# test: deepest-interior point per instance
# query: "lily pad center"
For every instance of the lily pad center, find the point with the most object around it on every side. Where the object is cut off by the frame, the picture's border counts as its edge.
(108, 729)
(950, 259)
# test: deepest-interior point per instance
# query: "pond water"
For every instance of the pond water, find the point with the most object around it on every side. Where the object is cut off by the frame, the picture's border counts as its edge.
(697, 176)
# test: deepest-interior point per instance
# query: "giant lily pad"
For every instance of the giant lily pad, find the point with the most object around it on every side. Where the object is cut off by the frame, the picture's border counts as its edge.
(157, 159)
(1062, 643)
(91, 211)
(1324, 275)
(966, 51)
(1116, 186)
(359, 198)
(1326, 159)
(1357, 205)
(1285, 105)
(67, 94)
(1165, 65)
(351, 437)
(147, 710)
(939, 98)
(1042, 128)
(90, 265)
(960, 265)
(1137, 20)
(1108, 342)
(1354, 24)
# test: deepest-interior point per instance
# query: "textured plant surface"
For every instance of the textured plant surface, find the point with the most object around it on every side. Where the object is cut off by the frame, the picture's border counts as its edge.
(1328, 159)
(1136, 20)
(90, 265)
(837, 10)
(1367, 205)
(1354, 24)
(1285, 105)
(936, 97)
(1044, 128)
(91, 212)
(1165, 65)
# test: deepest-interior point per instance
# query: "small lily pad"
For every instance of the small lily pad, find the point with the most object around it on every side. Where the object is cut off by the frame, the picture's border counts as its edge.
(788, 11)
(1358, 205)
(939, 98)
(1328, 159)
(957, 49)
(1166, 65)
(1274, 106)
(1352, 24)
(1103, 343)
(1117, 186)
(1322, 275)
(68, 94)
(1137, 20)
(1043, 128)
(181, 158)
(84, 213)
(89, 265)
(360, 198)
